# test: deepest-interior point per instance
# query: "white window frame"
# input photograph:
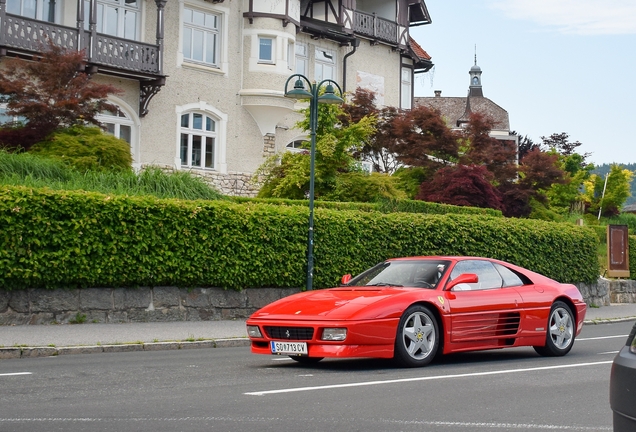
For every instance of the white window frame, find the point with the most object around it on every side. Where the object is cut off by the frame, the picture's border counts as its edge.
(208, 31)
(301, 54)
(39, 10)
(325, 60)
(406, 87)
(272, 50)
(127, 118)
(219, 135)
(298, 145)
(291, 54)
(121, 14)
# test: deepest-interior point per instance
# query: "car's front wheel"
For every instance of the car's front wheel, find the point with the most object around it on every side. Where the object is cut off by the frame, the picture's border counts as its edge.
(560, 332)
(417, 338)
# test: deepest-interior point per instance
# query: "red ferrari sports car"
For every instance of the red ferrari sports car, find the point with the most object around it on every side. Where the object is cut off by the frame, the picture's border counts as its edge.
(413, 309)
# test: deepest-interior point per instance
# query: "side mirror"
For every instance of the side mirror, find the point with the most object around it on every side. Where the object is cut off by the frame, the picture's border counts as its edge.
(465, 278)
(345, 279)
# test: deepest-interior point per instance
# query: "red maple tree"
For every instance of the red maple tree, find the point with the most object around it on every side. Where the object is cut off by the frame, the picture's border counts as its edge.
(50, 92)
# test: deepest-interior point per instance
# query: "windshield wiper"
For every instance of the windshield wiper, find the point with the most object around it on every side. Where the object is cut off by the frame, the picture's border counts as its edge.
(384, 284)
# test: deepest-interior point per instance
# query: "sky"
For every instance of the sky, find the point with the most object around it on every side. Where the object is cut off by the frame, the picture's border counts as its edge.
(555, 66)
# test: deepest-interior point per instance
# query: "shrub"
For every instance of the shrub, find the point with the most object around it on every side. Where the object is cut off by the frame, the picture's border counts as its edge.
(362, 187)
(86, 148)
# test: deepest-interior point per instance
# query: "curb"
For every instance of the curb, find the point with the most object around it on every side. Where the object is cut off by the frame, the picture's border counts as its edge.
(41, 351)
(32, 352)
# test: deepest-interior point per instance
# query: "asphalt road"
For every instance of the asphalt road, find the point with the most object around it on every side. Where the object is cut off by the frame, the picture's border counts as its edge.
(232, 390)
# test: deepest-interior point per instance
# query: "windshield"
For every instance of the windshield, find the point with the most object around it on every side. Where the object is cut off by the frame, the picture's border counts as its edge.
(411, 273)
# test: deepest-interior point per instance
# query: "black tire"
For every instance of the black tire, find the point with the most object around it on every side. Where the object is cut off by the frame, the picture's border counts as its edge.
(417, 339)
(306, 360)
(560, 331)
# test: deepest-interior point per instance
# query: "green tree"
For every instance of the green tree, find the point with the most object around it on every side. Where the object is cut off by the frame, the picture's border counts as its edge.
(50, 92)
(335, 144)
(616, 193)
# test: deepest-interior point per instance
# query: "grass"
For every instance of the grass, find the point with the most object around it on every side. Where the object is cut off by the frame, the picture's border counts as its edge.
(79, 318)
(24, 169)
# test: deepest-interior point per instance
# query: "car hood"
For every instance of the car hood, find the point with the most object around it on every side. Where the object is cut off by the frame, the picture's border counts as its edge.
(331, 304)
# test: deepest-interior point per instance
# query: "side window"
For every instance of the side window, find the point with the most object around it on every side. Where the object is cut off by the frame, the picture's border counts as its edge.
(510, 278)
(325, 65)
(405, 89)
(488, 276)
(118, 18)
(201, 40)
(266, 50)
(197, 142)
(302, 58)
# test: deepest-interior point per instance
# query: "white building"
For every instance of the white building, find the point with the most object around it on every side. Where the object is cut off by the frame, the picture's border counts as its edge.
(204, 80)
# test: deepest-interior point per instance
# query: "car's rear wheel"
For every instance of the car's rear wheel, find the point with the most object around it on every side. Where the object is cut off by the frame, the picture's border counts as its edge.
(306, 360)
(417, 339)
(560, 332)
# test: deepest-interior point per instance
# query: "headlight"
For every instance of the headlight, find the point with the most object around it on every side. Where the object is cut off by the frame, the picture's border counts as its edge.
(254, 331)
(334, 334)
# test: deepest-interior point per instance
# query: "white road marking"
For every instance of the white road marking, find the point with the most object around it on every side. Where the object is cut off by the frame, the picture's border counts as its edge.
(609, 352)
(602, 337)
(16, 373)
(429, 378)
(281, 359)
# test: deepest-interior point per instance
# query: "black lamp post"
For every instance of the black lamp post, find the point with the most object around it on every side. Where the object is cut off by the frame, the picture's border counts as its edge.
(328, 97)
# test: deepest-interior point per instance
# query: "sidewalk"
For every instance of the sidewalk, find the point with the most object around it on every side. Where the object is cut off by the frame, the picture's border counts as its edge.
(47, 340)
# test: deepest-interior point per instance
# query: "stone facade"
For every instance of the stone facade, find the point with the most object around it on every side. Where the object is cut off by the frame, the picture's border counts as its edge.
(120, 305)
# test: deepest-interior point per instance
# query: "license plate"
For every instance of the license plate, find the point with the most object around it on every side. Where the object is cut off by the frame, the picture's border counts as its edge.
(288, 348)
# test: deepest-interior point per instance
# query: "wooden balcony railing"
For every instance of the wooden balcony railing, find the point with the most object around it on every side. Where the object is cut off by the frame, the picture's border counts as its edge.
(116, 55)
(367, 24)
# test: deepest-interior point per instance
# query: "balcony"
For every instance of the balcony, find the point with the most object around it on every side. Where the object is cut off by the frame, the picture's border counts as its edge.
(22, 36)
(371, 26)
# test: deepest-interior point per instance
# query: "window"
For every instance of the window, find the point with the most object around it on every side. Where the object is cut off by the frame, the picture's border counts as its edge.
(266, 50)
(201, 36)
(290, 55)
(43, 10)
(6, 118)
(115, 17)
(117, 123)
(197, 140)
(298, 146)
(488, 277)
(405, 89)
(302, 59)
(325, 65)
(510, 278)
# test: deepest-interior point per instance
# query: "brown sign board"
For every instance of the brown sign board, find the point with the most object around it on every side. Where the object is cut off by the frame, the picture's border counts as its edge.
(617, 251)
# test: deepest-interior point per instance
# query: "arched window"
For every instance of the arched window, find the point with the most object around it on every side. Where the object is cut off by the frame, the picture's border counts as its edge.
(123, 123)
(197, 142)
(298, 146)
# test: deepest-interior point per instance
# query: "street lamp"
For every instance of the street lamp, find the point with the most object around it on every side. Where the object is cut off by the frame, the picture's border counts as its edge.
(328, 97)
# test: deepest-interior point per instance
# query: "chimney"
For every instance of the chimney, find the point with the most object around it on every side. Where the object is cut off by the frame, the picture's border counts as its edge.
(438, 93)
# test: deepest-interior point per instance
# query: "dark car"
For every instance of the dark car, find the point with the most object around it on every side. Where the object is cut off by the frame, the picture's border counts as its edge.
(623, 386)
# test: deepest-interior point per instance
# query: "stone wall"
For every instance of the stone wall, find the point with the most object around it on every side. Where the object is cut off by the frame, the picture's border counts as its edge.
(607, 291)
(117, 305)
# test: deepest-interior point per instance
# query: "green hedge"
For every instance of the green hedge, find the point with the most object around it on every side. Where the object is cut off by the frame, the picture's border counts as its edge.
(78, 239)
(383, 206)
